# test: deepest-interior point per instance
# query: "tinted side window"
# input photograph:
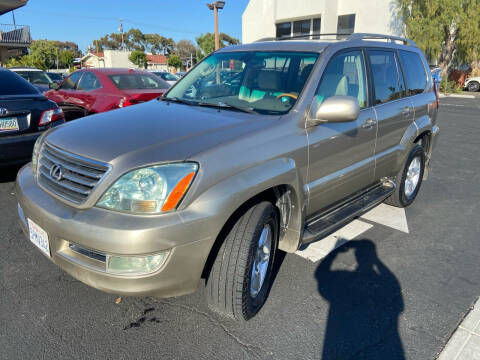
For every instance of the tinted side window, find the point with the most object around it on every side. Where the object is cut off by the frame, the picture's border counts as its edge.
(69, 82)
(344, 75)
(13, 84)
(385, 76)
(414, 72)
(89, 82)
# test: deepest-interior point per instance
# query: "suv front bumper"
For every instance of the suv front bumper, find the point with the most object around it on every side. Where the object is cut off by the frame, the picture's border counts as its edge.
(106, 232)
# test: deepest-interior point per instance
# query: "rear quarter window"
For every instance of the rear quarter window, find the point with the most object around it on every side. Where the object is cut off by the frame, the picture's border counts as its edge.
(414, 72)
(14, 84)
(138, 81)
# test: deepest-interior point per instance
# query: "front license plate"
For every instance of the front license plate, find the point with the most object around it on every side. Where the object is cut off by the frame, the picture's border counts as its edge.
(39, 237)
(8, 124)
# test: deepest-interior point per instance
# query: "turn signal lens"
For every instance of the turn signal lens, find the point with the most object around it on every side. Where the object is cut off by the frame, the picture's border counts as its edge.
(177, 193)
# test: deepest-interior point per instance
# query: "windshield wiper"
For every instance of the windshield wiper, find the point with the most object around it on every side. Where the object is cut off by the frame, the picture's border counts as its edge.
(222, 105)
(177, 100)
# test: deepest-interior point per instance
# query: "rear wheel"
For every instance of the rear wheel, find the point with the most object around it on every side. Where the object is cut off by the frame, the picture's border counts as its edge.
(473, 86)
(409, 179)
(240, 277)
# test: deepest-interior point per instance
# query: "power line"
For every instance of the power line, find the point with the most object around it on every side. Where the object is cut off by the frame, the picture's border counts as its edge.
(105, 18)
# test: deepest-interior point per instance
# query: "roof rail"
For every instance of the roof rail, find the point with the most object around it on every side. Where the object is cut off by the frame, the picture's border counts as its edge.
(302, 36)
(368, 36)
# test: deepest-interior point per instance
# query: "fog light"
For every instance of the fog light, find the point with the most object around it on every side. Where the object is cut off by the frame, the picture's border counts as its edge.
(135, 264)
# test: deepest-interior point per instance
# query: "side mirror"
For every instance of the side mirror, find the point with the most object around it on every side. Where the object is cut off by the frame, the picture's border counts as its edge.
(54, 86)
(337, 108)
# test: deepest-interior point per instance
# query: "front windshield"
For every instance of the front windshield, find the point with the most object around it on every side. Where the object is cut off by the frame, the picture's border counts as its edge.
(265, 82)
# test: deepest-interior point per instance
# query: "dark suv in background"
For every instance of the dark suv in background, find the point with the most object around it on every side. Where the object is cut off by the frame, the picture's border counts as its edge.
(260, 147)
(24, 115)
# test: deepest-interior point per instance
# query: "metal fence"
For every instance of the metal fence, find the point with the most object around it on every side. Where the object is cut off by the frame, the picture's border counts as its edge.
(15, 34)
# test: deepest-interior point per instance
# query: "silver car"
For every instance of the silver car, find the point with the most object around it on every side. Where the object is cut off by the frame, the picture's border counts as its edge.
(260, 148)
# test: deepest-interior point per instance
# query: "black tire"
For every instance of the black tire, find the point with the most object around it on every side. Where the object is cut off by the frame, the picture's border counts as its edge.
(399, 197)
(228, 284)
(473, 86)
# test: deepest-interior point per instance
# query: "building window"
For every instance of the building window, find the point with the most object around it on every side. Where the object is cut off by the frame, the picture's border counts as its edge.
(316, 27)
(284, 29)
(345, 25)
(299, 27)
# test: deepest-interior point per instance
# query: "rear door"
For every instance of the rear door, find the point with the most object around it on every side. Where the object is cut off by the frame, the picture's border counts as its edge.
(393, 109)
(419, 85)
(341, 155)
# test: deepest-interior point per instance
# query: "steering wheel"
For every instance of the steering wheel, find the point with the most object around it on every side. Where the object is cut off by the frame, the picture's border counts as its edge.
(293, 96)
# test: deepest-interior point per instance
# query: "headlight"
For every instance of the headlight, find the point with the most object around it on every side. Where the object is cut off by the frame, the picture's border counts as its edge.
(36, 150)
(150, 190)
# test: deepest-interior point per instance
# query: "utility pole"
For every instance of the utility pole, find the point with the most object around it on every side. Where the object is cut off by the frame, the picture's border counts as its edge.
(215, 7)
(121, 32)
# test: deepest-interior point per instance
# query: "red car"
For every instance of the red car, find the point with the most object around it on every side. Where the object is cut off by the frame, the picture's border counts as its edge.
(91, 91)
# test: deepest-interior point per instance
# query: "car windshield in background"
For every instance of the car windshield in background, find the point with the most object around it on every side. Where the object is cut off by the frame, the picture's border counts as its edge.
(12, 84)
(167, 76)
(55, 76)
(138, 81)
(264, 82)
(35, 77)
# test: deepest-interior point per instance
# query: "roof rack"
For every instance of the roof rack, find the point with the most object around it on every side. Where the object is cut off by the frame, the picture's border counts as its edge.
(302, 36)
(368, 36)
(345, 36)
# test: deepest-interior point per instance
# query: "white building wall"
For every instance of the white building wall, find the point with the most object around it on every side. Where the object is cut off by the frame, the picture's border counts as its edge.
(258, 20)
(118, 59)
(373, 16)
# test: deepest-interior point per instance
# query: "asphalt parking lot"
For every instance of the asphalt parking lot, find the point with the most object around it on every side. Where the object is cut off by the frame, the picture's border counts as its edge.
(387, 294)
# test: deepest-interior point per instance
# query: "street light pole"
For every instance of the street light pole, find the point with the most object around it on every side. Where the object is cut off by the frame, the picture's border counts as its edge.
(215, 7)
(215, 15)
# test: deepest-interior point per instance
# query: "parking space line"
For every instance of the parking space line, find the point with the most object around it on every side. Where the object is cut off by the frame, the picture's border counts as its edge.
(383, 214)
(318, 250)
(390, 216)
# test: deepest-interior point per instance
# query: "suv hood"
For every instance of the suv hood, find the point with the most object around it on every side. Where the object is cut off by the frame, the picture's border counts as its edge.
(153, 132)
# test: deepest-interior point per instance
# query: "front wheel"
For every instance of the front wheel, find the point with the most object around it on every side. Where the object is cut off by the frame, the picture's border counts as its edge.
(409, 179)
(473, 86)
(240, 277)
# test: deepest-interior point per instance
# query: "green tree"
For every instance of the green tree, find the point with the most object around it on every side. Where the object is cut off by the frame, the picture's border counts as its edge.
(43, 54)
(206, 43)
(446, 30)
(66, 58)
(138, 58)
(175, 61)
(135, 40)
(185, 48)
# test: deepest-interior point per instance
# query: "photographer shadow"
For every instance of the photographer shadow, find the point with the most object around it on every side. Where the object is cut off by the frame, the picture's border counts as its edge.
(364, 305)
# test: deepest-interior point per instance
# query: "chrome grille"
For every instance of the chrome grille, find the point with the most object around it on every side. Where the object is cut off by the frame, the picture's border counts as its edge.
(79, 175)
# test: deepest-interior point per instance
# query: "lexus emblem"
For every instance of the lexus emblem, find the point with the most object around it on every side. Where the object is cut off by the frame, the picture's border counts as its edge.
(3, 111)
(56, 172)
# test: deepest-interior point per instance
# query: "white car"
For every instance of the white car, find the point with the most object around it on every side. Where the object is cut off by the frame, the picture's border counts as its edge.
(472, 84)
(168, 77)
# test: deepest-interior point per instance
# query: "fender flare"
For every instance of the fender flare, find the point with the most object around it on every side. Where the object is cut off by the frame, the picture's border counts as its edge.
(221, 201)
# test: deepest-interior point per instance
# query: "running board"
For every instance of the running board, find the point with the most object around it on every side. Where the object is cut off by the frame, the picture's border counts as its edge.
(333, 219)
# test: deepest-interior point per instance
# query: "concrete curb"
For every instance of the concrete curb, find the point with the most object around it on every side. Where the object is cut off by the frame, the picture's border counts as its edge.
(457, 96)
(465, 342)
